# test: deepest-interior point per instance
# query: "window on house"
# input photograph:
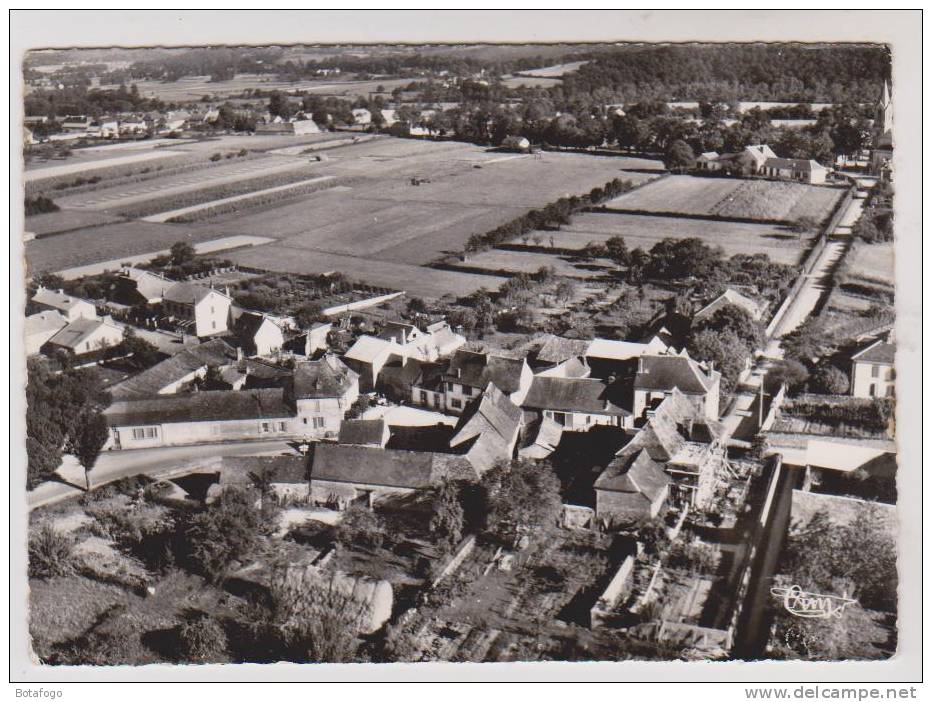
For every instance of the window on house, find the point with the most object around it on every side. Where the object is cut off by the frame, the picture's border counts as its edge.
(304, 420)
(875, 371)
(318, 422)
(145, 432)
(456, 404)
(213, 325)
(265, 428)
(872, 390)
(450, 387)
(467, 391)
(889, 391)
(282, 426)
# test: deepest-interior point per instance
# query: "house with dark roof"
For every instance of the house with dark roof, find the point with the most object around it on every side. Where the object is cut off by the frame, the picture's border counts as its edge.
(688, 444)
(541, 438)
(872, 371)
(258, 334)
(344, 473)
(576, 404)
(804, 170)
(364, 432)
(469, 373)
(84, 336)
(632, 488)
(657, 375)
(488, 429)
(322, 391)
(136, 286)
(201, 418)
(170, 375)
(202, 309)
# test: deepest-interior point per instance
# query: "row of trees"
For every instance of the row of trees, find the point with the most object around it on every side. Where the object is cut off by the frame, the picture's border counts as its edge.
(553, 215)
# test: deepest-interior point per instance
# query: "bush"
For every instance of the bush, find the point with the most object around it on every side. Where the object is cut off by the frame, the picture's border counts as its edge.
(831, 380)
(51, 553)
(216, 157)
(361, 526)
(40, 205)
(202, 640)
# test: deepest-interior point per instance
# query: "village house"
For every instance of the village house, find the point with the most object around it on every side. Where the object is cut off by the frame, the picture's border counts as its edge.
(87, 335)
(41, 327)
(172, 374)
(470, 372)
(541, 438)
(364, 432)
(316, 339)
(681, 438)
(297, 127)
(632, 488)
(342, 474)
(72, 308)
(659, 374)
(209, 416)
(730, 297)
(488, 430)
(362, 116)
(322, 392)
(311, 405)
(135, 287)
(872, 371)
(202, 310)
(76, 124)
(602, 358)
(576, 404)
(258, 334)
(368, 355)
(800, 169)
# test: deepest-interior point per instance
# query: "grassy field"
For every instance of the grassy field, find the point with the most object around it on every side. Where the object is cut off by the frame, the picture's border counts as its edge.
(731, 197)
(645, 231)
(66, 220)
(375, 224)
(872, 262)
(529, 262)
(557, 71)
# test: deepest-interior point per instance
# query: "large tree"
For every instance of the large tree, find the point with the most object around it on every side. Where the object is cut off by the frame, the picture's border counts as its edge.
(521, 497)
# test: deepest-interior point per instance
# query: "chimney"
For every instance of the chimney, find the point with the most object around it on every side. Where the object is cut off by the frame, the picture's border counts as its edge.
(239, 353)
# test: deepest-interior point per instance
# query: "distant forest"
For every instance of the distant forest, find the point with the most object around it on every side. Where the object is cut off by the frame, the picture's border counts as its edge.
(737, 72)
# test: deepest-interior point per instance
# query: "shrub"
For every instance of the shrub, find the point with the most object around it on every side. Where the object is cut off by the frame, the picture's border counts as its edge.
(831, 380)
(216, 157)
(39, 205)
(202, 639)
(51, 553)
(361, 527)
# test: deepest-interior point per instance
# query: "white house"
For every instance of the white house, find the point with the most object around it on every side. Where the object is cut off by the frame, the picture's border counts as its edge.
(258, 334)
(872, 371)
(206, 309)
(469, 374)
(576, 404)
(659, 374)
(85, 335)
(801, 169)
(71, 307)
(362, 116)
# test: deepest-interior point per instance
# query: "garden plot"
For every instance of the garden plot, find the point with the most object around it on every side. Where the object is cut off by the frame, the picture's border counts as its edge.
(730, 198)
(780, 244)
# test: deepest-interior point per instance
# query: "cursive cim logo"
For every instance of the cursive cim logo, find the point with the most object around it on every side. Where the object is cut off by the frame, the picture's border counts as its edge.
(809, 604)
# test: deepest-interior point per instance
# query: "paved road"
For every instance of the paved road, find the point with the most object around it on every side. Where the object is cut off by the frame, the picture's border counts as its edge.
(155, 463)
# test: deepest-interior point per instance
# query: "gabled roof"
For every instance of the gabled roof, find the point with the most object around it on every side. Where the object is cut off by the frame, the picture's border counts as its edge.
(672, 425)
(150, 285)
(57, 299)
(557, 349)
(543, 437)
(249, 324)
(204, 406)
(189, 293)
(363, 432)
(881, 352)
(368, 348)
(327, 377)
(370, 465)
(634, 473)
(668, 371)
(153, 380)
(78, 331)
(588, 395)
(479, 369)
(282, 469)
(730, 297)
(45, 322)
(488, 428)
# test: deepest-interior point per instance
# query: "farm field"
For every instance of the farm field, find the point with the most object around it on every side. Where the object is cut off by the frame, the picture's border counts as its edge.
(530, 262)
(731, 197)
(64, 221)
(643, 231)
(873, 262)
(82, 165)
(557, 71)
(373, 216)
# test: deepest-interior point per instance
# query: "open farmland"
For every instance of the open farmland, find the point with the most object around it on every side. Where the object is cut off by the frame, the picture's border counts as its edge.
(557, 71)
(731, 198)
(507, 261)
(380, 227)
(776, 241)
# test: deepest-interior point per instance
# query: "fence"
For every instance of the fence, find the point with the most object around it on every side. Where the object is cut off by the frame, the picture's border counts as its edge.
(616, 588)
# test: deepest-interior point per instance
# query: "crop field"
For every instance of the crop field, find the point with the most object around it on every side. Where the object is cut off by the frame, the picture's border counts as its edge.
(64, 221)
(642, 231)
(367, 219)
(557, 71)
(872, 262)
(731, 197)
